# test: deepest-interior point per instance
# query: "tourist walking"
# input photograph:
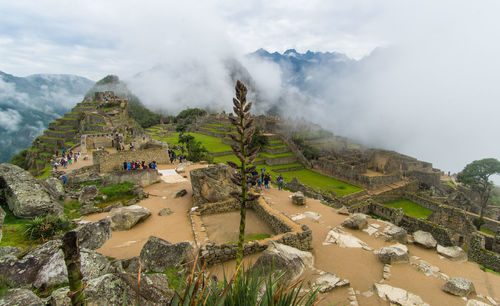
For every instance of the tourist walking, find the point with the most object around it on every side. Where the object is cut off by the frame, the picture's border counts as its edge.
(280, 182)
(267, 178)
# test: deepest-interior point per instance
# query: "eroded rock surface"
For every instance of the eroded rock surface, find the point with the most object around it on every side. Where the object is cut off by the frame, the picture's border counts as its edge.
(88, 193)
(393, 254)
(357, 221)
(459, 286)
(158, 255)
(329, 281)
(283, 258)
(453, 253)
(124, 218)
(94, 234)
(396, 233)
(25, 196)
(343, 239)
(20, 297)
(212, 184)
(398, 296)
(424, 239)
(298, 198)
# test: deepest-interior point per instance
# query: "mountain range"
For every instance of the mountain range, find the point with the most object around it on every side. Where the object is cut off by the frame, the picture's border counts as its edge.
(28, 104)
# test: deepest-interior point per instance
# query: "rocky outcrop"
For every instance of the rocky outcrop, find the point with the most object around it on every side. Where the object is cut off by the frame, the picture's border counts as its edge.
(393, 254)
(88, 193)
(356, 221)
(7, 250)
(44, 266)
(453, 253)
(54, 187)
(343, 211)
(165, 211)
(93, 235)
(59, 297)
(283, 259)
(396, 233)
(20, 297)
(424, 239)
(398, 296)
(298, 199)
(329, 281)
(343, 239)
(124, 218)
(157, 254)
(459, 286)
(212, 184)
(2, 216)
(120, 289)
(25, 196)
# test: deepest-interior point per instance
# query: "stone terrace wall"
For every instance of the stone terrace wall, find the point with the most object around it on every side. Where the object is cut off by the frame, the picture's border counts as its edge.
(112, 162)
(141, 177)
(479, 254)
(288, 232)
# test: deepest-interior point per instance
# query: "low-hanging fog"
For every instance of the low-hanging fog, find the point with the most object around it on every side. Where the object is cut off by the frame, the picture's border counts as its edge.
(424, 79)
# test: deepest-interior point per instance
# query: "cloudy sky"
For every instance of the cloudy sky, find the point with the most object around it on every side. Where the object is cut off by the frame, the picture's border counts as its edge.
(435, 95)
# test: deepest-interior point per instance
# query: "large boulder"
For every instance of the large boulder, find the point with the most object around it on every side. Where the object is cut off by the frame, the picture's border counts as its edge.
(283, 259)
(121, 289)
(357, 221)
(454, 253)
(396, 233)
(329, 281)
(44, 266)
(25, 196)
(20, 297)
(459, 286)
(157, 254)
(59, 297)
(424, 239)
(212, 184)
(124, 218)
(2, 216)
(93, 235)
(393, 254)
(398, 296)
(8, 250)
(298, 199)
(54, 187)
(88, 193)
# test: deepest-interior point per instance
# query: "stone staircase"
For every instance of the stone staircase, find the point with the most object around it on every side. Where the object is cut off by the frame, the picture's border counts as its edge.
(361, 196)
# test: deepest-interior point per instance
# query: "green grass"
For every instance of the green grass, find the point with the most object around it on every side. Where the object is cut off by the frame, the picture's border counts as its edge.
(45, 172)
(320, 181)
(211, 143)
(225, 158)
(64, 118)
(285, 166)
(267, 155)
(72, 209)
(13, 231)
(220, 125)
(116, 192)
(449, 183)
(276, 141)
(275, 147)
(488, 270)
(487, 231)
(410, 208)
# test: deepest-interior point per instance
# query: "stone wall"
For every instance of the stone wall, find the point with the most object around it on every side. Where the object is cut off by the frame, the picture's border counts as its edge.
(141, 177)
(479, 254)
(114, 162)
(280, 160)
(428, 177)
(454, 219)
(287, 231)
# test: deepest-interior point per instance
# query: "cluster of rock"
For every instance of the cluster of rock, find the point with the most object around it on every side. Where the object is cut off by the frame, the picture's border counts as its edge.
(212, 184)
(107, 282)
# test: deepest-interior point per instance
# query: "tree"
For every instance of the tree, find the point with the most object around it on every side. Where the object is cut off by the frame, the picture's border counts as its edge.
(476, 176)
(243, 138)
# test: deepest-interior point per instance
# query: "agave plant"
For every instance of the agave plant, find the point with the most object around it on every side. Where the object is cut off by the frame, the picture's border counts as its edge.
(245, 130)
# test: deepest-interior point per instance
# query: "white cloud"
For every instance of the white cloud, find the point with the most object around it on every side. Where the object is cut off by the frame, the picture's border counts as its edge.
(10, 119)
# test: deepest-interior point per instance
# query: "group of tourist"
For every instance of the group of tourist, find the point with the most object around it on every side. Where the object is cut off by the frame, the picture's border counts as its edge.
(66, 158)
(173, 157)
(256, 180)
(135, 165)
(122, 147)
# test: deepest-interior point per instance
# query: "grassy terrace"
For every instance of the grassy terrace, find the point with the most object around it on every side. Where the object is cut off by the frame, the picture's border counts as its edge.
(275, 147)
(213, 144)
(220, 125)
(410, 208)
(276, 141)
(267, 155)
(320, 181)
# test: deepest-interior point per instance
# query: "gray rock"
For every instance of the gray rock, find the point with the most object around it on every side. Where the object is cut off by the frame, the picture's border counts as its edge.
(459, 286)
(20, 297)
(54, 187)
(180, 193)
(165, 211)
(424, 239)
(356, 221)
(25, 196)
(398, 296)
(89, 209)
(396, 233)
(129, 265)
(393, 254)
(8, 250)
(343, 211)
(454, 253)
(94, 234)
(125, 218)
(2, 216)
(88, 193)
(298, 199)
(44, 266)
(120, 289)
(212, 184)
(110, 207)
(283, 258)
(473, 302)
(329, 281)
(158, 255)
(59, 297)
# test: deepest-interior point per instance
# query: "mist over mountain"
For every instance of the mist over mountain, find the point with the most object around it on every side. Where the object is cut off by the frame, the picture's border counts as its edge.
(28, 104)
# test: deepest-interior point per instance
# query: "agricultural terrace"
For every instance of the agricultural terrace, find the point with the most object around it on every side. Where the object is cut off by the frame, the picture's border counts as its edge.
(410, 208)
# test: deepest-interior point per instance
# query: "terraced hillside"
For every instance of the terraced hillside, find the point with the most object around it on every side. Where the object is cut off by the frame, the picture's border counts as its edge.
(276, 157)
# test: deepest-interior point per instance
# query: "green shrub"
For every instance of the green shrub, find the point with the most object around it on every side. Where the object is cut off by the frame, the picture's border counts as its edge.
(115, 192)
(20, 159)
(45, 227)
(478, 222)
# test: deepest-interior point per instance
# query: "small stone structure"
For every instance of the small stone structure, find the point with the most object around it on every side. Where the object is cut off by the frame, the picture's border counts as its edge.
(479, 254)
(286, 231)
(298, 198)
(141, 177)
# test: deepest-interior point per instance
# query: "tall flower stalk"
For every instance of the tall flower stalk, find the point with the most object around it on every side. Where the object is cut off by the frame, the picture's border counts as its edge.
(245, 130)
